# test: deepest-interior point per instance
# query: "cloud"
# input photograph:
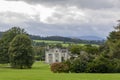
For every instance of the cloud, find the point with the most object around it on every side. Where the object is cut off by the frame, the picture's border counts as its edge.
(22, 9)
(92, 4)
(74, 15)
(76, 11)
(13, 18)
(67, 15)
(62, 17)
(39, 28)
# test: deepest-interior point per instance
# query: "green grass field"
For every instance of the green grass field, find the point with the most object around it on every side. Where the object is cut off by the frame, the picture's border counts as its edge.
(53, 42)
(48, 41)
(41, 71)
(61, 42)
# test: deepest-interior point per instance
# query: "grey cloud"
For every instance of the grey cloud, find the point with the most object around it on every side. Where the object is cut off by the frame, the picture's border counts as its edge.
(93, 4)
(12, 17)
(39, 28)
(68, 15)
(98, 22)
(67, 30)
(87, 16)
(15, 18)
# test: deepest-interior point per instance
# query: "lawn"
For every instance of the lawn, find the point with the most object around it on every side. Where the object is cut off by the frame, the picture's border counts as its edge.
(41, 71)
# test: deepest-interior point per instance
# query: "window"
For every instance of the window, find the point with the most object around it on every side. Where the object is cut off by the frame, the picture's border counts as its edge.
(56, 60)
(56, 50)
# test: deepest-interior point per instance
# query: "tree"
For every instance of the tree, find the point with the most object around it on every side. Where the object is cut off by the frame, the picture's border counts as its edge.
(4, 57)
(59, 45)
(21, 52)
(5, 42)
(39, 53)
(75, 49)
(78, 65)
(91, 49)
(102, 65)
(113, 43)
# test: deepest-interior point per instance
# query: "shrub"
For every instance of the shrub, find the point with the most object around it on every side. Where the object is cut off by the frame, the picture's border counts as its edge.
(101, 65)
(78, 65)
(59, 67)
(116, 65)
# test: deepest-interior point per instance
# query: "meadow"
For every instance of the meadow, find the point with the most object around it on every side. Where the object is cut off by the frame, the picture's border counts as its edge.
(41, 71)
(48, 41)
(60, 42)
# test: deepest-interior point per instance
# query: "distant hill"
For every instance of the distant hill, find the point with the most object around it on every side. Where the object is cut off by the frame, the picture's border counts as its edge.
(90, 38)
(60, 38)
(85, 40)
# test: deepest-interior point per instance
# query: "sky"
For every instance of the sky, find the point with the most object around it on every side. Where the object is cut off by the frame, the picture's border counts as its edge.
(61, 17)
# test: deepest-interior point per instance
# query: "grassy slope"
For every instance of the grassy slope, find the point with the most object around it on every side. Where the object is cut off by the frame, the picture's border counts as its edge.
(56, 42)
(48, 41)
(41, 71)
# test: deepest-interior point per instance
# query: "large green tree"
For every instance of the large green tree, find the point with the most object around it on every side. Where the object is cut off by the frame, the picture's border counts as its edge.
(5, 42)
(113, 43)
(109, 59)
(21, 52)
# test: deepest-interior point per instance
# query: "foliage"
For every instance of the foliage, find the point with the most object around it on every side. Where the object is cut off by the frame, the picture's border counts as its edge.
(113, 43)
(39, 44)
(21, 52)
(4, 56)
(5, 42)
(58, 45)
(59, 67)
(101, 65)
(78, 65)
(39, 53)
(104, 65)
(76, 49)
(91, 49)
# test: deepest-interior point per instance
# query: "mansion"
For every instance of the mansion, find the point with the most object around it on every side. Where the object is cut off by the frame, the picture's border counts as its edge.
(56, 55)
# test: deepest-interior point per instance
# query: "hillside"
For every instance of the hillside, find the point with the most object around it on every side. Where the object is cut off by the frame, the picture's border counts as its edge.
(90, 38)
(63, 39)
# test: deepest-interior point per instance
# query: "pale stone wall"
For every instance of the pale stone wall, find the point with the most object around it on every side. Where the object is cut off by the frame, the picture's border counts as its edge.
(56, 55)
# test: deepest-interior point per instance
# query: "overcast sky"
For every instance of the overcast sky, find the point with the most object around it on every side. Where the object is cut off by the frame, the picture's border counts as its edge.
(61, 17)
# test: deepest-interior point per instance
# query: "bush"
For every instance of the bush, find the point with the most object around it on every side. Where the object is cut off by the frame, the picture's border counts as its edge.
(59, 67)
(78, 65)
(101, 65)
(116, 65)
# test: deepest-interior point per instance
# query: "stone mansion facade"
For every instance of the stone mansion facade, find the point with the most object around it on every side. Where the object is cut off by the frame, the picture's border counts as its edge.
(56, 55)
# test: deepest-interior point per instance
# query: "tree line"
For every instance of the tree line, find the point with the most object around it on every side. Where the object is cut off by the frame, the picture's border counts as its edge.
(67, 39)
